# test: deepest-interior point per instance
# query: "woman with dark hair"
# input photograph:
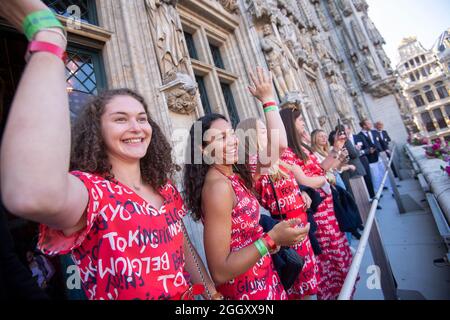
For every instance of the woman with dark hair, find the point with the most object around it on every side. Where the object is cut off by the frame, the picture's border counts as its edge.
(335, 260)
(117, 212)
(279, 193)
(219, 192)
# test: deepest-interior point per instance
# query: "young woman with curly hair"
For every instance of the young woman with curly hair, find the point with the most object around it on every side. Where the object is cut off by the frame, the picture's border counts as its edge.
(219, 192)
(117, 212)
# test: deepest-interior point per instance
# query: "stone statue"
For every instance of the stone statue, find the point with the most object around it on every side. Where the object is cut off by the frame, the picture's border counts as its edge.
(385, 61)
(360, 5)
(169, 39)
(359, 70)
(349, 43)
(335, 52)
(230, 5)
(291, 35)
(345, 7)
(334, 12)
(323, 20)
(318, 42)
(372, 31)
(308, 47)
(370, 64)
(280, 61)
(359, 36)
(340, 97)
(359, 108)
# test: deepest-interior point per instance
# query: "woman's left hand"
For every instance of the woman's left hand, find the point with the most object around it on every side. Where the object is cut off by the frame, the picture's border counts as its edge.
(306, 199)
(261, 87)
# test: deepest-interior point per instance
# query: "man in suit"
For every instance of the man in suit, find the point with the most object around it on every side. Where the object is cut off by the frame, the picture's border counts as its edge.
(385, 140)
(372, 147)
(359, 160)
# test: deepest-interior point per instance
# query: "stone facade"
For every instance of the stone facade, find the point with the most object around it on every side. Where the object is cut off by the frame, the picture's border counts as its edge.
(424, 86)
(326, 57)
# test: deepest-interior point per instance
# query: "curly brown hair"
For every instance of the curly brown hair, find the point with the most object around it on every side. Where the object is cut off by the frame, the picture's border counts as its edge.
(89, 149)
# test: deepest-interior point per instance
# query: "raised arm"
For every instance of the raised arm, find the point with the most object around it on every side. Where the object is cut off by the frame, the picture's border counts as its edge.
(35, 151)
(262, 89)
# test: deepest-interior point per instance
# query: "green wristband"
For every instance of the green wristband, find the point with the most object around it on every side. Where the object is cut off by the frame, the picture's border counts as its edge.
(259, 244)
(268, 109)
(39, 20)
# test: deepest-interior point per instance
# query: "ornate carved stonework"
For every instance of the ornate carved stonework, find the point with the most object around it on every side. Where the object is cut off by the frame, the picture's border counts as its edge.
(345, 7)
(340, 96)
(361, 5)
(259, 9)
(385, 61)
(359, 108)
(349, 43)
(372, 31)
(291, 36)
(370, 64)
(358, 35)
(359, 70)
(334, 12)
(280, 61)
(308, 47)
(230, 5)
(334, 49)
(322, 120)
(168, 37)
(322, 18)
(181, 94)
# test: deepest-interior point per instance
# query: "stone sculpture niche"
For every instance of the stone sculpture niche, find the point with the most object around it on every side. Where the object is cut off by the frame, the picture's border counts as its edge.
(345, 7)
(279, 60)
(370, 65)
(179, 88)
(358, 35)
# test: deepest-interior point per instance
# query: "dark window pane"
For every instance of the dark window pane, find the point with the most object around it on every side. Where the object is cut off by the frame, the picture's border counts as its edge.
(191, 45)
(419, 101)
(218, 62)
(231, 105)
(442, 92)
(203, 94)
(430, 96)
(426, 119)
(87, 9)
(447, 110)
(440, 118)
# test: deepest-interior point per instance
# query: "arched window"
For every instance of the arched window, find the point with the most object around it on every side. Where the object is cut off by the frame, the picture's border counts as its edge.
(418, 99)
(429, 94)
(441, 90)
(427, 121)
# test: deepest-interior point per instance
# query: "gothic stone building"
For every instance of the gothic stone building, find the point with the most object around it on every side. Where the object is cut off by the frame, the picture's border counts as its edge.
(425, 86)
(190, 57)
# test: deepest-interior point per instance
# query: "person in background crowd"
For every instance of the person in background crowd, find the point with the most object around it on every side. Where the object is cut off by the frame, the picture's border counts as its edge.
(335, 260)
(320, 147)
(16, 281)
(354, 159)
(373, 140)
(279, 193)
(118, 204)
(385, 140)
(219, 192)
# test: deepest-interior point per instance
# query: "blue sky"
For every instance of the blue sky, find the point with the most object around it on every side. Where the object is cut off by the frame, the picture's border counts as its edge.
(397, 19)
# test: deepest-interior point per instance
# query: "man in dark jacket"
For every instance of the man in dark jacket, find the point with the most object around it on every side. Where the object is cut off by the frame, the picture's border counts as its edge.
(355, 160)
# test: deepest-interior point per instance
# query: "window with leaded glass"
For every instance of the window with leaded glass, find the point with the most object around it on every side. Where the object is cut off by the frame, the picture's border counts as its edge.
(203, 94)
(190, 45)
(428, 122)
(84, 76)
(429, 94)
(441, 90)
(440, 118)
(230, 103)
(418, 99)
(85, 8)
(217, 57)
